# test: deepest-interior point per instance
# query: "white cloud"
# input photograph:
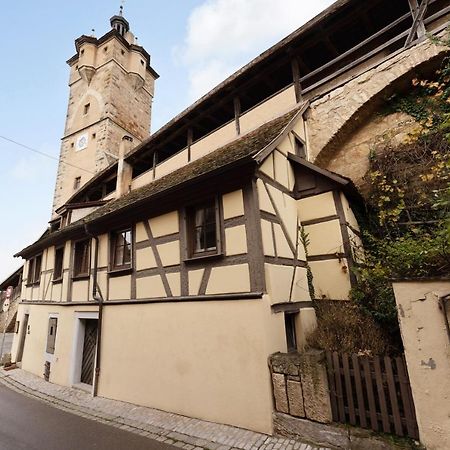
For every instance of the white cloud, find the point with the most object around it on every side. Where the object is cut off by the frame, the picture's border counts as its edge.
(222, 35)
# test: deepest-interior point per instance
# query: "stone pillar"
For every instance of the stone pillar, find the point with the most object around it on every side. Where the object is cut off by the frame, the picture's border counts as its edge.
(300, 385)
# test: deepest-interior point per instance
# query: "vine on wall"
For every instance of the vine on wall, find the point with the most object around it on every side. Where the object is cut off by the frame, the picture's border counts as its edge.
(406, 230)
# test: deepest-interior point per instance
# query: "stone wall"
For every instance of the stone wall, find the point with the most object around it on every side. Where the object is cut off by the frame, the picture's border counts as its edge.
(300, 385)
(335, 115)
(352, 158)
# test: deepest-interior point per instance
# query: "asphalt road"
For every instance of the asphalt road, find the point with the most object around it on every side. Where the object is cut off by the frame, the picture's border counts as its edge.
(29, 424)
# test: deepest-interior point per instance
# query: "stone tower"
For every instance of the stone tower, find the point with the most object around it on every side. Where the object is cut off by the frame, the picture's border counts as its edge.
(111, 91)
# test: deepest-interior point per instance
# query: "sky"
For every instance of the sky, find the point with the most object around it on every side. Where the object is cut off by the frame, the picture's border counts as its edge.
(194, 45)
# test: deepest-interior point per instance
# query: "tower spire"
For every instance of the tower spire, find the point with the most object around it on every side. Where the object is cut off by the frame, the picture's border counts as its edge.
(119, 23)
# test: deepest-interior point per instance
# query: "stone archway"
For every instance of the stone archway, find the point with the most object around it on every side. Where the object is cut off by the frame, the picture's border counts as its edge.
(336, 118)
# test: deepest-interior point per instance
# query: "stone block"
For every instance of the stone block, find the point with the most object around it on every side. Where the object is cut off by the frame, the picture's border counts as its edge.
(295, 398)
(286, 363)
(279, 392)
(306, 431)
(316, 394)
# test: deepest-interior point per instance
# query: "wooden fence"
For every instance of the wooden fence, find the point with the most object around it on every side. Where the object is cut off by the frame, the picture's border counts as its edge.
(372, 392)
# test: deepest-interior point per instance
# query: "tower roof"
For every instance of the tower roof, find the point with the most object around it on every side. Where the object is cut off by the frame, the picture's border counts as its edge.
(119, 23)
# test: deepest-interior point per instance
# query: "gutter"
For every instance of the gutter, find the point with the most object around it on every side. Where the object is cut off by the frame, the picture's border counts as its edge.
(97, 296)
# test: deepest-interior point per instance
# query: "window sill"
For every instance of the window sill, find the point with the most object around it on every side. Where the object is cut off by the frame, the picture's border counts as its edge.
(200, 257)
(120, 272)
(57, 281)
(80, 277)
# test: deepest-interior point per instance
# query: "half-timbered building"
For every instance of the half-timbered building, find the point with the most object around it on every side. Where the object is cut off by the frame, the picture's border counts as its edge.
(170, 276)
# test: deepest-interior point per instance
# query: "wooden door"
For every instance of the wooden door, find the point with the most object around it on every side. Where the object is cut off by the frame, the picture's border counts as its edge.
(23, 335)
(89, 346)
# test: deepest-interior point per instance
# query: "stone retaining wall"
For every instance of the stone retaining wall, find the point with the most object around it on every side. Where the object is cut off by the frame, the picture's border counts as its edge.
(300, 385)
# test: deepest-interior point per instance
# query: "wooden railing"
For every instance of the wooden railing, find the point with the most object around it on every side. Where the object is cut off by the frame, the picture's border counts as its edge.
(372, 392)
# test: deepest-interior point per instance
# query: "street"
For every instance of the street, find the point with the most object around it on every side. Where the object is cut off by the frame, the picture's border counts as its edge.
(28, 424)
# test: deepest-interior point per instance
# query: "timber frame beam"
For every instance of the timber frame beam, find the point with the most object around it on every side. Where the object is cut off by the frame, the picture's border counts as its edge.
(418, 26)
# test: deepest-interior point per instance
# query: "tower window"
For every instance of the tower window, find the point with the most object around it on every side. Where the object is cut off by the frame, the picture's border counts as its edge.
(86, 108)
(105, 49)
(94, 135)
(142, 62)
(76, 183)
(82, 52)
(123, 52)
(72, 144)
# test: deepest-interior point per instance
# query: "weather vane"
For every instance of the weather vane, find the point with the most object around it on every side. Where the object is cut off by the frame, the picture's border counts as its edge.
(121, 7)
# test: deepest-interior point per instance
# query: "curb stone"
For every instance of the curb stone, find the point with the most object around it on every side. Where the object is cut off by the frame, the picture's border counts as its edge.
(169, 428)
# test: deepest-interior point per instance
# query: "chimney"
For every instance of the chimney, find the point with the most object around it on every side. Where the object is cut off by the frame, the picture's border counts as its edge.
(124, 170)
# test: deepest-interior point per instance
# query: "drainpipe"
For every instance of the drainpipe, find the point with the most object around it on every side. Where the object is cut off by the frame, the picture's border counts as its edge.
(97, 296)
(443, 307)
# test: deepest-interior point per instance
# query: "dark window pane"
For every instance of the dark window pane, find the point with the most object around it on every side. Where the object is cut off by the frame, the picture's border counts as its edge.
(31, 271)
(37, 268)
(291, 338)
(59, 257)
(210, 236)
(121, 242)
(82, 250)
(204, 234)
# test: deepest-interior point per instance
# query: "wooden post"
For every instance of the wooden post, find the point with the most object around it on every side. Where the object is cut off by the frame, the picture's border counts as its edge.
(296, 77)
(237, 114)
(155, 161)
(190, 135)
(418, 27)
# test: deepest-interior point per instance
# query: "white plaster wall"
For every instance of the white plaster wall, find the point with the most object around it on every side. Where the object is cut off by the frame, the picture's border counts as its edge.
(316, 207)
(427, 351)
(330, 279)
(215, 353)
(280, 103)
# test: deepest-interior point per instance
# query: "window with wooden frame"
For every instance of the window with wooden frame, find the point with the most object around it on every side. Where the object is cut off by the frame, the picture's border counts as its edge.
(58, 269)
(34, 270)
(81, 258)
(204, 229)
(121, 250)
(51, 334)
(299, 146)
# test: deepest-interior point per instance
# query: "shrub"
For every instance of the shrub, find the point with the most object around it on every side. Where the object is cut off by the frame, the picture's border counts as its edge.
(345, 328)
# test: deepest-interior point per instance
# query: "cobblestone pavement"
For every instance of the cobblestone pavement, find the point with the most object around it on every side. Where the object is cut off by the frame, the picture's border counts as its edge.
(180, 431)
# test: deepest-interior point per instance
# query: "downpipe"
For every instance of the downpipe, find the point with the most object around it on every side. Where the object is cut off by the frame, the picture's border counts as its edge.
(443, 307)
(97, 296)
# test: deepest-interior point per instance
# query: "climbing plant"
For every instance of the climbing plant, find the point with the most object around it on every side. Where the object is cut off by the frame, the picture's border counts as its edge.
(406, 229)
